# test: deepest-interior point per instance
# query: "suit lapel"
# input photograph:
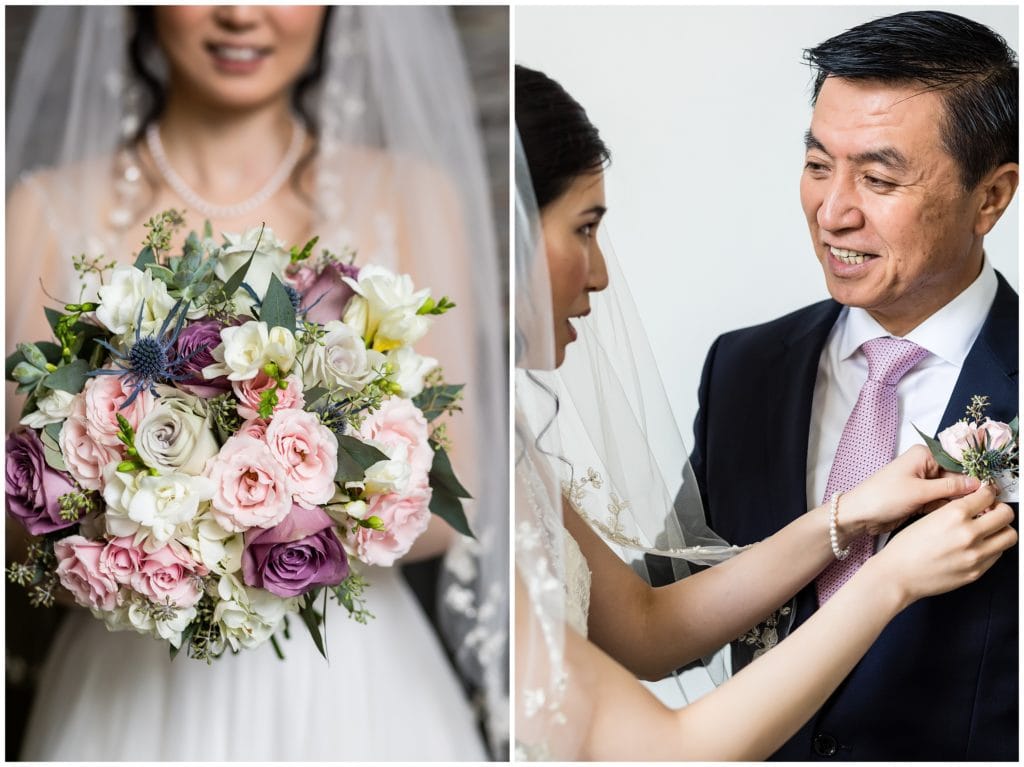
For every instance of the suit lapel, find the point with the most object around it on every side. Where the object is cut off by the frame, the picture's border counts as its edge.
(789, 392)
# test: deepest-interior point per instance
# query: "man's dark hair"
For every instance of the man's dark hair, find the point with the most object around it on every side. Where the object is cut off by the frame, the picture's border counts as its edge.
(559, 140)
(972, 66)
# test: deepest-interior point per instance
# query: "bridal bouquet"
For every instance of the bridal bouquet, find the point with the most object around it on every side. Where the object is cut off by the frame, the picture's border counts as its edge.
(222, 437)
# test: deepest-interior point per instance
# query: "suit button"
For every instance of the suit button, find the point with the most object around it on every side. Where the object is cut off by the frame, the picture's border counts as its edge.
(825, 744)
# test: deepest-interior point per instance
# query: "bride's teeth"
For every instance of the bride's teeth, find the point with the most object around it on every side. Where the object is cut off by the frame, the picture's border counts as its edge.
(848, 256)
(237, 54)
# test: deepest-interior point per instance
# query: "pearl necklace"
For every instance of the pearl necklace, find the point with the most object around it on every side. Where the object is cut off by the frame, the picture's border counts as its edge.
(217, 212)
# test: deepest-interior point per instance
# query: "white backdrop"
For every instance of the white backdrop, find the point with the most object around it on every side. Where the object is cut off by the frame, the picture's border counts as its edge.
(704, 109)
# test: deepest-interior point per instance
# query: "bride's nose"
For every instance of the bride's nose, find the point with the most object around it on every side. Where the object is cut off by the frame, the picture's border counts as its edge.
(597, 278)
(237, 18)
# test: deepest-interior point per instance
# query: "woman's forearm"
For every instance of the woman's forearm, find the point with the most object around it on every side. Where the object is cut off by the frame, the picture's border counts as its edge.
(735, 595)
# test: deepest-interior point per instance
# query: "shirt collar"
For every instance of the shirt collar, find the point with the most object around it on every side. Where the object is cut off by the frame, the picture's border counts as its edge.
(949, 333)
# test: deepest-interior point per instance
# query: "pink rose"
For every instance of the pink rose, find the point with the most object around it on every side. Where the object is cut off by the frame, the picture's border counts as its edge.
(169, 574)
(400, 425)
(79, 571)
(120, 559)
(255, 428)
(83, 455)
(308, 451)
(999, 434)
(405, 517)
(961, 436)
(104, 394)
(251, 488)
(249, 391)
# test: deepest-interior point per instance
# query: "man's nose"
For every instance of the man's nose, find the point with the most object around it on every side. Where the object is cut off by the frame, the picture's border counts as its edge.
(840, 207)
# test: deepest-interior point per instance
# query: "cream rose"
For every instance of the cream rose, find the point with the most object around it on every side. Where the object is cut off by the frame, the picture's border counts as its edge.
(340, 358)
(176, 435)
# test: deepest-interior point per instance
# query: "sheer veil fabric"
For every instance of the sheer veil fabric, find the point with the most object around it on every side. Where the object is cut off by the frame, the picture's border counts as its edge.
(398, 174)
(595, 437)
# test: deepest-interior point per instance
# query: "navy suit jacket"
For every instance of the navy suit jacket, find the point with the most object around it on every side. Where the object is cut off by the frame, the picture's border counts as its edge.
(941, 681)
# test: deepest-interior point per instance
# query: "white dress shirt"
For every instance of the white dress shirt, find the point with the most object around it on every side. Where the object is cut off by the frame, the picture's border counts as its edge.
(923, 393)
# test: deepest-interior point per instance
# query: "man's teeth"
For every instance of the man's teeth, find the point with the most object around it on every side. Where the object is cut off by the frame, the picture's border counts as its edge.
(849, 256)
(237, 54)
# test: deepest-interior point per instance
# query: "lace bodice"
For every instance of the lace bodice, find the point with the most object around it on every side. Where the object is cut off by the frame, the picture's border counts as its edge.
(577, 586)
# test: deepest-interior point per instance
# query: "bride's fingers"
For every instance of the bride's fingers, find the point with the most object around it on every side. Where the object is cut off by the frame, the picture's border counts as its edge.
(927, 491)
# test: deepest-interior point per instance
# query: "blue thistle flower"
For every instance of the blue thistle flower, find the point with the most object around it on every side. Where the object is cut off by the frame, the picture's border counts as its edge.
(151, 359)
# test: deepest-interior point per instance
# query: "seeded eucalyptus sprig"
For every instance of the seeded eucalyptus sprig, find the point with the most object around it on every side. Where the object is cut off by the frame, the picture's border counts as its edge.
(38, 573)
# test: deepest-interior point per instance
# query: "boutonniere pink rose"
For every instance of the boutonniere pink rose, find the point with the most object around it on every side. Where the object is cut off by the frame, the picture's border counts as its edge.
(978, 446)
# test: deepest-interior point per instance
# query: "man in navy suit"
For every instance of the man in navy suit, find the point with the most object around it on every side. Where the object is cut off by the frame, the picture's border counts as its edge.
(911, 159)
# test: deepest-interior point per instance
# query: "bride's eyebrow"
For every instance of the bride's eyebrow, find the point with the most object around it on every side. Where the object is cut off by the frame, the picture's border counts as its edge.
(596, 210)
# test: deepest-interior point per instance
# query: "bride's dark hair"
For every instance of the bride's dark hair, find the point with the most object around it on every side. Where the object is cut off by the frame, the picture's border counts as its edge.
(558, 138)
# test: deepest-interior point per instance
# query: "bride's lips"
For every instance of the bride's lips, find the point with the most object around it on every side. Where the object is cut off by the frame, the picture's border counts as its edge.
(847, 262)
(237, 59)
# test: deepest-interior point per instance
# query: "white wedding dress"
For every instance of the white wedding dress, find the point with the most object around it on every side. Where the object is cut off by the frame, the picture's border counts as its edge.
(388, 692)
(577, 586)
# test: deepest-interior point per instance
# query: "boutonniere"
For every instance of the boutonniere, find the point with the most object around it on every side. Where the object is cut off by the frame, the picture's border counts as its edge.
(979, 447)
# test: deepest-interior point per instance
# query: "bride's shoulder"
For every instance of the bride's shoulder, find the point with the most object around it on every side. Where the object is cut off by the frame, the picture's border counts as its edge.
(52, 188)
(392, 168)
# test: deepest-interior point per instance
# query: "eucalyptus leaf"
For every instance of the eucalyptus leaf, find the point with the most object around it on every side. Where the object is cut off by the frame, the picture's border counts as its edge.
(52, 316)
(54, 459)
(146, 256)
(50, 350)
(27, 374)
(363, 454)
(33, 355)
(70, 378)
(161, 273)
(434, 400)
(314, 395)
(51, 432)
(277, 309)
(12, 362)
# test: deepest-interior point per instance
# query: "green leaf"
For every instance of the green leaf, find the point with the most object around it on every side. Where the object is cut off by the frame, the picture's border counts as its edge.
(442, 475)
(146, 256)
(161, 273)
(186, 638)
(236, 279)
(435, 400)
(354, 458)
(1014, 426)
(207, 230)
(312, 619)
(51, 432)
(33, 355)
(942, 458)
(54, 459)
(52, 316)
(70, 378)
(277, 310)
(50, 350)
(307, 249)
(26, 374)
(449, 508)
(314, 395)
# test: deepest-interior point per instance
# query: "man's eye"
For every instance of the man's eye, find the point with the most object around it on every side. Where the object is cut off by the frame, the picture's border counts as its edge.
(814, 167)
(878, 183)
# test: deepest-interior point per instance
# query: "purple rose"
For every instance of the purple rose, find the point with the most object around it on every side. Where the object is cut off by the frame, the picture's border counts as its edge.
(203, 335)
(301, 552)
(326, 297)
(33, 487)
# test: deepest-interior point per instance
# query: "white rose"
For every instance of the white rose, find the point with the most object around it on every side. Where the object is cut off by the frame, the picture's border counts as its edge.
(162, 503)
(340, 358)
(219, 549)
(120, 299)
(118, 490)
(176, 435)
(271, 258)
(390, 308)
(387, 477)
(53, 408)
(245, 349)
(410, 369)
(248, 616)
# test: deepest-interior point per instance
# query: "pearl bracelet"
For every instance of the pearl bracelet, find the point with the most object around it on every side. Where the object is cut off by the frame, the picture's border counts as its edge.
(833, 534)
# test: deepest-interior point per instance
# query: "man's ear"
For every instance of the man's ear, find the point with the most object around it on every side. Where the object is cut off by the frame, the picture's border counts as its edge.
(996, 192)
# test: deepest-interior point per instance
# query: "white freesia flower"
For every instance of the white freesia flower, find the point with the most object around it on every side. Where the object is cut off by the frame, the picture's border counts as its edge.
(53, 408)
(151, 506)
(120, 299)
(176, 435)
(388, 320)
(248, 616)
(410, 369)
(271, 259)
(218, 549)
(245, 349)
(340, 358)
(357, 509)
(136, 614)
(387, 477)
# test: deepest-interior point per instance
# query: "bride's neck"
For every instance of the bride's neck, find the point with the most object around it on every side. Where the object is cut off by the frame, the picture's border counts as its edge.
(222, 153)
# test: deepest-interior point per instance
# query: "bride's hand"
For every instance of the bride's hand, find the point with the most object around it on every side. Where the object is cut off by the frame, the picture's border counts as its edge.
(949, 548)
(912, 484)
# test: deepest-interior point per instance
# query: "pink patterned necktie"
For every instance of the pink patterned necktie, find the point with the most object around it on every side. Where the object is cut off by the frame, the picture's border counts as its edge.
(868, 443)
